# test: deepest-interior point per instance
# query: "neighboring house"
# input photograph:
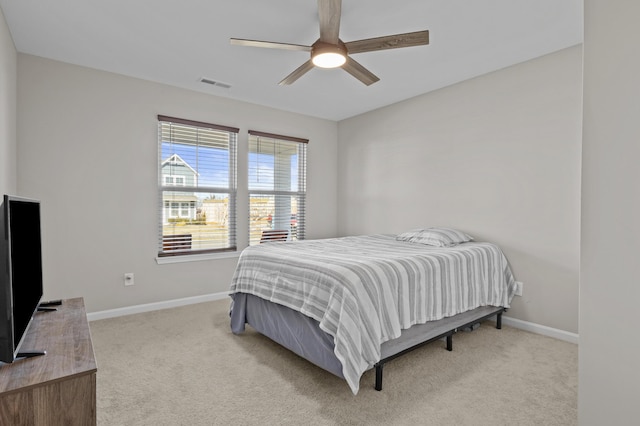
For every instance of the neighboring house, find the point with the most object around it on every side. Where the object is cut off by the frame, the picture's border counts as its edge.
(176, 172)
(215, 211)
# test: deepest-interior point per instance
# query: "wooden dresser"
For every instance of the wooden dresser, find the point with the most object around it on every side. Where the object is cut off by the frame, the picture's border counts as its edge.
(58, 388)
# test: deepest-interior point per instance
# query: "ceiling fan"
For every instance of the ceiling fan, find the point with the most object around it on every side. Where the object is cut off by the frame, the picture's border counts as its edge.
(331, 52)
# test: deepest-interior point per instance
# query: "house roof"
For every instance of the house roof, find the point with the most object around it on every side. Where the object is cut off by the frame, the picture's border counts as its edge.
(175, 158)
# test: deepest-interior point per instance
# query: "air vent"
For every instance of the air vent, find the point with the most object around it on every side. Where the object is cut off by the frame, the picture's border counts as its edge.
(215, 83)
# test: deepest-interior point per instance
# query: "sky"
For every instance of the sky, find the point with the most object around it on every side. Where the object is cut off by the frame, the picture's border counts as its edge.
(212, 165)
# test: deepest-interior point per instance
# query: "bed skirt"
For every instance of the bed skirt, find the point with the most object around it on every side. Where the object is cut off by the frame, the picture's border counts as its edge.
(291, 329)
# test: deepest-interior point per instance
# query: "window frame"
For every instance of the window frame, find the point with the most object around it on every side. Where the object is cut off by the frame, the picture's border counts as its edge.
(229, 191)
(301, 192)
(171, 180)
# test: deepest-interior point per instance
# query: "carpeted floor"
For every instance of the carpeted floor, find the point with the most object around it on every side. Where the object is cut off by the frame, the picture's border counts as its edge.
(183, 366)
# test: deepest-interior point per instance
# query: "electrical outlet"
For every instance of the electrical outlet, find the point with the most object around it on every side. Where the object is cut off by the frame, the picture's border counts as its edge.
(519, 288)
(128, 279)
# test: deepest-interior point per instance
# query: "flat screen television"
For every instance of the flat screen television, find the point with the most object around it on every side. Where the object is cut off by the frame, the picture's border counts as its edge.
(20, 271)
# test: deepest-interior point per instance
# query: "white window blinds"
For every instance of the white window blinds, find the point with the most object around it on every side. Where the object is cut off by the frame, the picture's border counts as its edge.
(197, 187)
(277, 187)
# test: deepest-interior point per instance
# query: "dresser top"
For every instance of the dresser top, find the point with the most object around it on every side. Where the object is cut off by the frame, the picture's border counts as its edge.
(64, 334)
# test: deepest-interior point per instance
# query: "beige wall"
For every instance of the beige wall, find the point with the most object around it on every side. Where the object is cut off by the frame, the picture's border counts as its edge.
(497, 156)
(8, 66)
(610, 284)
(88, 150)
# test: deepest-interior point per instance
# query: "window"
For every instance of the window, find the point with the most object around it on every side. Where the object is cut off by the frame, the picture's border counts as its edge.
(173, 180)
(277, 187)
(197, 187)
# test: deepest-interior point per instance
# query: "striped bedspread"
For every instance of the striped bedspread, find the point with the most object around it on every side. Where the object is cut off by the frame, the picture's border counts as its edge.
(364, 290)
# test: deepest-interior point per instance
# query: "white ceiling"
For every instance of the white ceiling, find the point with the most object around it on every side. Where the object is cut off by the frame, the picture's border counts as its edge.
(179, 41)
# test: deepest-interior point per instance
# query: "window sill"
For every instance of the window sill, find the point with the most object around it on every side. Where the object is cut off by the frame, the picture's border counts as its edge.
(196, 257)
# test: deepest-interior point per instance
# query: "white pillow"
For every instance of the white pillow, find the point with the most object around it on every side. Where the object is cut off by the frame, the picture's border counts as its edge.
(438, 237)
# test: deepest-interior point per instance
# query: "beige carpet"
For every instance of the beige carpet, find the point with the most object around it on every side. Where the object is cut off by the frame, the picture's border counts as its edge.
(183, 366)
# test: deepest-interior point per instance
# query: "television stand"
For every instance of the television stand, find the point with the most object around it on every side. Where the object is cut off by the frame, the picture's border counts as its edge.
(30, 354)
(42, 307)
(57, 389)
(50, 303)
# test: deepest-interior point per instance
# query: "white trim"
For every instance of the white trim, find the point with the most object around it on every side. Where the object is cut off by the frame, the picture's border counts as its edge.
(541, 329)
(138, 309)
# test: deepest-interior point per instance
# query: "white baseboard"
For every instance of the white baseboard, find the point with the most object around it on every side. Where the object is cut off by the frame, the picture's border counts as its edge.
(137, 309)
(541, 329)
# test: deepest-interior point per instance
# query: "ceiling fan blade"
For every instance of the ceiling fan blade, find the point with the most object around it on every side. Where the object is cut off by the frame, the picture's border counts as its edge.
(299, 72)
(417, 38)
(359, 72)
(269, 44)
(329, 15)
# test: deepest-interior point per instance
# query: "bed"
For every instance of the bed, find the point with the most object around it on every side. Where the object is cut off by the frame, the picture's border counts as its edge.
(350, 304)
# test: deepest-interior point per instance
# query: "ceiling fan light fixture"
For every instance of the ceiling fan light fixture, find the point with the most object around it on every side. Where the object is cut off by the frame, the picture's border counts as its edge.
(325, 55)
(329, 60)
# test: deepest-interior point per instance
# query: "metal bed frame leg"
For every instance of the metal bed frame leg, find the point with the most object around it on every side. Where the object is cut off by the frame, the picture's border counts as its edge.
(449, 335)
(379, 376)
